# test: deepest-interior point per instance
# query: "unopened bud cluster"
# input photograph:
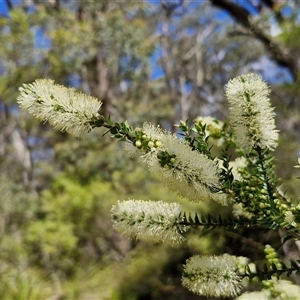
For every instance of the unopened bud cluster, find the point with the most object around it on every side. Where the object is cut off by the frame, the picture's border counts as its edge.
(290, 213)
(143, 142)
(253, 194)
(272, 258)
(209, 126)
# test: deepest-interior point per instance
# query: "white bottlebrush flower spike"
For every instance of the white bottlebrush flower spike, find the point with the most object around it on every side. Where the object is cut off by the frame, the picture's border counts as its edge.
(236, 165)
(64, 108)
(282, 289)
(251, 115)
(190, 174)
(287, 290)
(154, 221)
(213, 276)
(262, 295)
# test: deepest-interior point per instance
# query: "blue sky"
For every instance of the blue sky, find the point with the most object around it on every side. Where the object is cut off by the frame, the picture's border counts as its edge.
(3, 7)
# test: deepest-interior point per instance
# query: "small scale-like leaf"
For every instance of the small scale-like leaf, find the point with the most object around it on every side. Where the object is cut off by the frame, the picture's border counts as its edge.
(197, 220)
(220, 219)
(183, 217)
(209, 218)
(106, 132)
(109, 120)
(190, 218)
(99, 122)
(114, 130)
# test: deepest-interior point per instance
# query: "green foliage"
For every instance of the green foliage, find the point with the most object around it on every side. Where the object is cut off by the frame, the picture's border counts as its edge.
(18, 279)
(17, 54)
(70, 210)
(213, 222)
(54, 208)
(24, 284)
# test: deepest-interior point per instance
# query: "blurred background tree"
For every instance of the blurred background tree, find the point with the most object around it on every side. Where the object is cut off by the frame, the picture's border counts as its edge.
(147, 61)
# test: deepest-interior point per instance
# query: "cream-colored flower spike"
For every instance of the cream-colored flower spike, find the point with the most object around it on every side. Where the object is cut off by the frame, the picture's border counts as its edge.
(153, 221)
(251, 115)
(190, 174)
(262, 295)
(64, 108)
(216, 276)
(274, 289)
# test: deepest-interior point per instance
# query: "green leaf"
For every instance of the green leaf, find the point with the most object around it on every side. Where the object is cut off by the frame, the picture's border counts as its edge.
(99, 122)
(197, 219)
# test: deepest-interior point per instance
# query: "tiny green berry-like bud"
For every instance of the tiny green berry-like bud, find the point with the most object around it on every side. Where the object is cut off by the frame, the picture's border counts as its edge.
(138, 144)
(150, 144)
(279, 266)
(262, 205)
(268, 249)
(158, 143)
